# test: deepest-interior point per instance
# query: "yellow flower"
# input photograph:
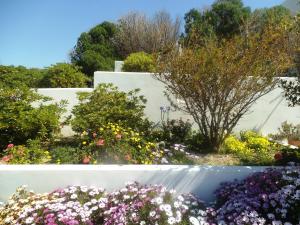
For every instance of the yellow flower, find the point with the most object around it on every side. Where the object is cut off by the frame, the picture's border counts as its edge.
(84, 142)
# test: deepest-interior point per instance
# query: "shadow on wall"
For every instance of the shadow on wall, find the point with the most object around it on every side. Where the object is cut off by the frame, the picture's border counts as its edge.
(200, 180)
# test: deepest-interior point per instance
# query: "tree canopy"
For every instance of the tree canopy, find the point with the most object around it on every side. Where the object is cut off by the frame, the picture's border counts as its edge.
(95, 49)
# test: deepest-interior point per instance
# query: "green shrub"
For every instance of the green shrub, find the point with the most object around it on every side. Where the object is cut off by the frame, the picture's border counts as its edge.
(251, 148)
(173, 132)
(11, 76)
(20, 121)
(107, 104)
(30, 154)
(139, 62)
(64, 75)
(66, 155)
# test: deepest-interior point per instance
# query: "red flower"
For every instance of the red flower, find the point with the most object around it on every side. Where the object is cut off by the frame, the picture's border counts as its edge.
(10, 146)
(6, 158)
(86, 159)
(278, 156)
(100, 142)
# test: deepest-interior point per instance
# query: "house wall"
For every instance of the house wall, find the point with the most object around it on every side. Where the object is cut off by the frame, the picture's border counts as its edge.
(200, 180)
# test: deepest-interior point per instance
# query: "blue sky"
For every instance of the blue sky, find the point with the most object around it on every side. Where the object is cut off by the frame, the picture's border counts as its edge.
(38, 33)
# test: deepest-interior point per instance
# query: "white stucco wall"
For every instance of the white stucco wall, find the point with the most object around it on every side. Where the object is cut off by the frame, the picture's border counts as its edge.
(200, 180)
(265, 116)
(69, 94)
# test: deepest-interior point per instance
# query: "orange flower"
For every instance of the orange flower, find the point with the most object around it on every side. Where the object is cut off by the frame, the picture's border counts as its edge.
(100, 142)
(127, 157)
(7, 158)
(86, 159)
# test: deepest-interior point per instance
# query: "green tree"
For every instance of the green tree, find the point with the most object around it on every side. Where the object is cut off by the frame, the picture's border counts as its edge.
(220, 81)
(227, 16)
(224, 19)
(95, 49)
(265, 16)
(64, 75)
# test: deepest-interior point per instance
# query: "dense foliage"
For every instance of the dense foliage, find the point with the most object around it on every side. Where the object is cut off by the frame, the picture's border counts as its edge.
(224, 19)
(139, 62)
(14, 76)
(64, 75)
(95, 50)
(108, 104)
(20, 121)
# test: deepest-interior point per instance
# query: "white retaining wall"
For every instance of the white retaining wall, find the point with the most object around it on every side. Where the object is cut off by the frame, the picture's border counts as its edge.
(200, 180)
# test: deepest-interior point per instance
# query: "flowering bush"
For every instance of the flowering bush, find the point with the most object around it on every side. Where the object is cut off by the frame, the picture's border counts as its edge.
(114, 143)
(269, 197)
(30, 154)
(251, 148)
(80, 205)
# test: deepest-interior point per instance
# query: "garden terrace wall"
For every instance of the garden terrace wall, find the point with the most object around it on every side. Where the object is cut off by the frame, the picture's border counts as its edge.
(200, 180)
(265, 116)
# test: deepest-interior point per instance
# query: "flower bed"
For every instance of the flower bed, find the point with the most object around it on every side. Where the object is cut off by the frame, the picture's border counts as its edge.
(269, 197)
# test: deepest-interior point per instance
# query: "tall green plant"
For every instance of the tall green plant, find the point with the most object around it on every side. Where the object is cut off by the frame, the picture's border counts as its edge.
(108, 104)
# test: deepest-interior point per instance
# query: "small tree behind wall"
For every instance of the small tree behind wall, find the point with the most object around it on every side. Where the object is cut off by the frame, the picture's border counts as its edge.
(220, 81)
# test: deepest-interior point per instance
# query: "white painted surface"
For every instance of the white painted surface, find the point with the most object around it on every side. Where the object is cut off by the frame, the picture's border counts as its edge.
(119, 66)
(200, 180)
(69, 94)
(265, 116)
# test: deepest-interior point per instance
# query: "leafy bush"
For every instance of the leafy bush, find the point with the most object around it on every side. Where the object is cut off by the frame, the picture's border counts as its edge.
(173, 131)
(65, 155)
(64, 75)
(30, 154)
(139, 62)
(251, 148)
(288, 131)
(11, 76)
(20, 121)
(112, 143)
(107, 104)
